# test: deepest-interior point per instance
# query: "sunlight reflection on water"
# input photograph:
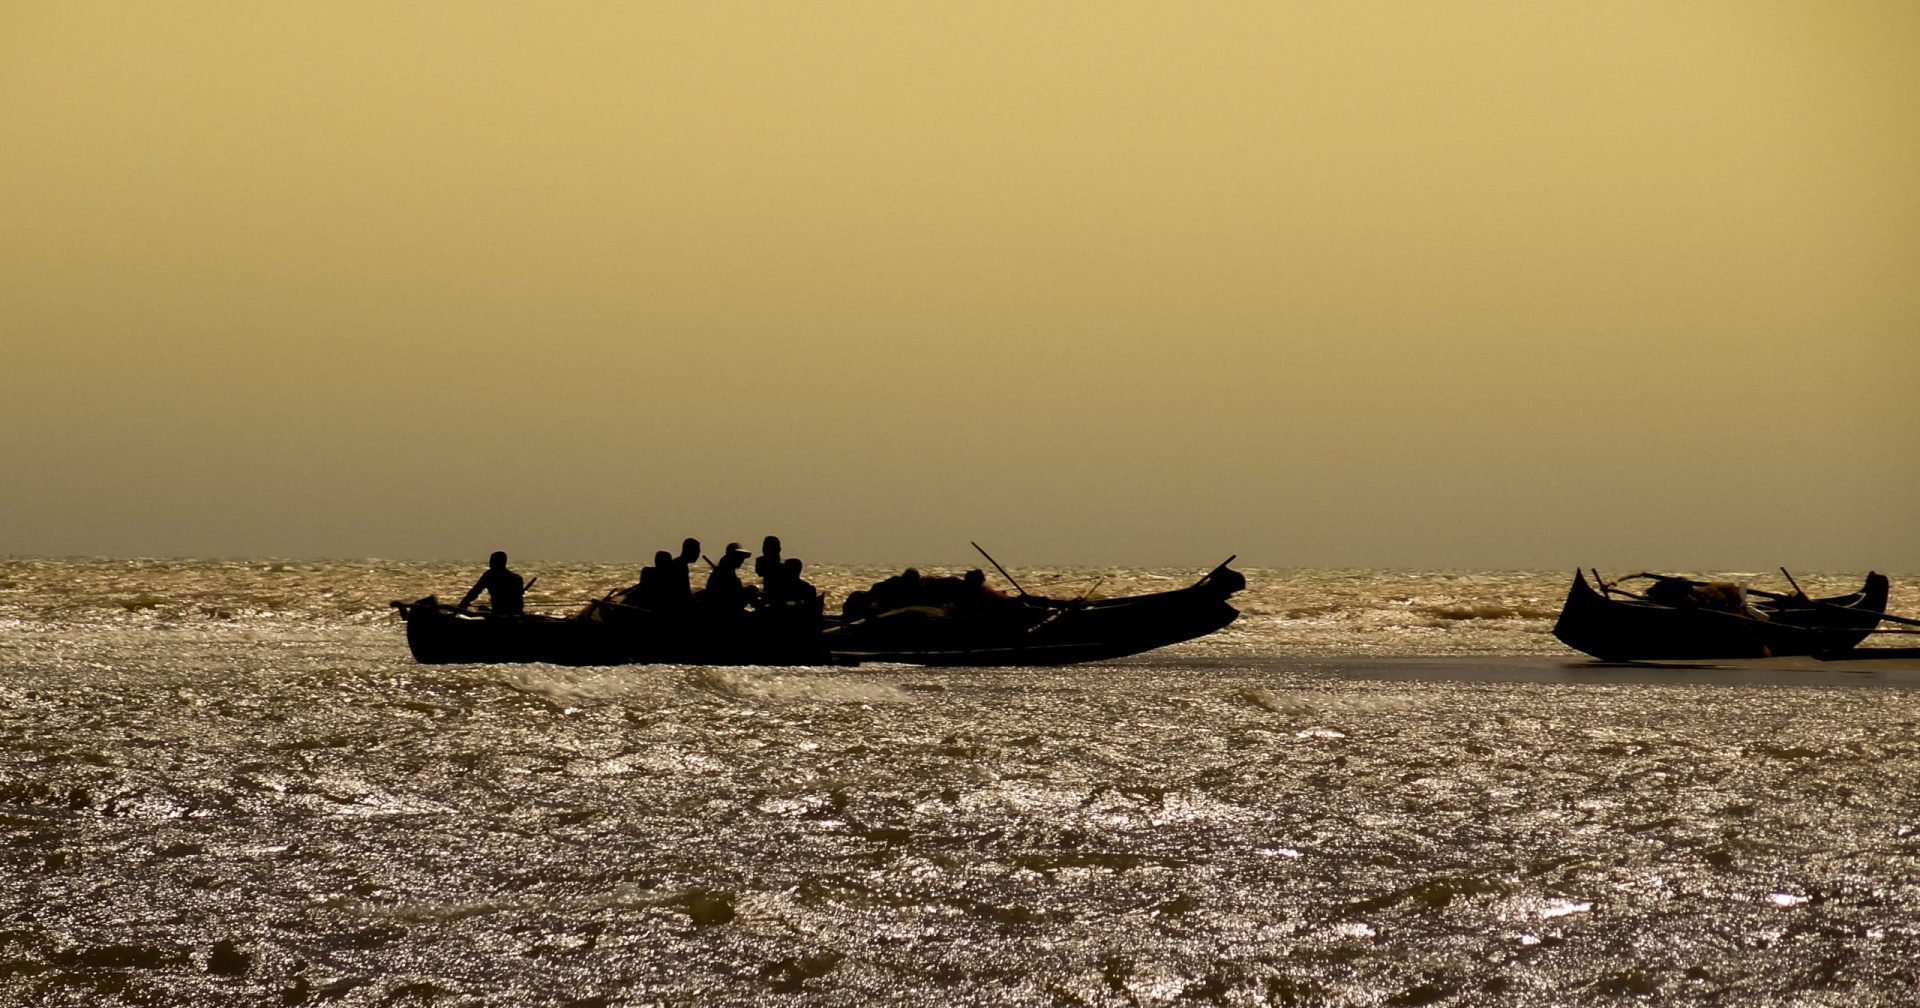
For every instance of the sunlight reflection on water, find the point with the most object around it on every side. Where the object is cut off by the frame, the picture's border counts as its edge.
(238, 809)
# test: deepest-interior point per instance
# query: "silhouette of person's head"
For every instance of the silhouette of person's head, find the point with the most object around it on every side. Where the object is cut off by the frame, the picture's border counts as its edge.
(974, 578)
(498, 559)
(734, 555)
(770, 546)
(661, 558)
(790, 567)
(689, 549)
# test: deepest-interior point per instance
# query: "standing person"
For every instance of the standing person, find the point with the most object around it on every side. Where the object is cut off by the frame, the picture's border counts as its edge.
(506, 591)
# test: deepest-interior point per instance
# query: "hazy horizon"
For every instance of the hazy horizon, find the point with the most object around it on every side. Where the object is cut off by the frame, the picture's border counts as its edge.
(1473, 286)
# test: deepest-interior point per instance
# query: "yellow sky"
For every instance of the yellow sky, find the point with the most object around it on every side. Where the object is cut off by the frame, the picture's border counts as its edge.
(1468, 284)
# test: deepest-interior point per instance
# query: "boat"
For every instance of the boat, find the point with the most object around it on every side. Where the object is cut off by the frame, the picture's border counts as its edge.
(1616, 626)
(608, 634)
(1036, 630)
(1020, 630)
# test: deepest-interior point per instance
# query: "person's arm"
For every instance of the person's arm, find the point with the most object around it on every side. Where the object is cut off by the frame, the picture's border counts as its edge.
(474, 592)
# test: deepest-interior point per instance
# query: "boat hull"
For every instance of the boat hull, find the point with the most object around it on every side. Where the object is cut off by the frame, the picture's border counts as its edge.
(1039, 631)
(438, 635)
(1614, 629)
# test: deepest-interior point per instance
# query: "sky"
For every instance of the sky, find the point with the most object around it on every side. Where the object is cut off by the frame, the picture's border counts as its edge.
(1473, 284)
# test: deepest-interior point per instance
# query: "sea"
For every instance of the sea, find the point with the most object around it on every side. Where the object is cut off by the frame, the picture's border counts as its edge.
(227, 783)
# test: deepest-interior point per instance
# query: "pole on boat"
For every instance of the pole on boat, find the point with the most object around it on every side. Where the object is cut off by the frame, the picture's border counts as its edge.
(996, 566)
(1797, 590)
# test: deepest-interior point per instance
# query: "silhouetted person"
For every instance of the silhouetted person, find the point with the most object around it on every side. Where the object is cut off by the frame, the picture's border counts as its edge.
(724, 592)
(506, 591)
(675, 575)
(786, 589)
(976, 593)
(767, 564)
(656, 582)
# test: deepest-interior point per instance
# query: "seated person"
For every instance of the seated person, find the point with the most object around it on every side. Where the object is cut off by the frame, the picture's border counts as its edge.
(767, 564)
(506, 591)
(657, 584)
(977, 594)
(785, 589)
(724, 593)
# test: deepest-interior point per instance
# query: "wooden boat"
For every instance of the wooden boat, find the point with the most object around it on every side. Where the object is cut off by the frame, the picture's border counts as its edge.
(1027, 630)
(440, 634)
(1613, 628)
(1034, 630)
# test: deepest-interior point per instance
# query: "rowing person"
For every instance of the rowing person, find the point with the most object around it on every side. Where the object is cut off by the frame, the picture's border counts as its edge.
(506, 591)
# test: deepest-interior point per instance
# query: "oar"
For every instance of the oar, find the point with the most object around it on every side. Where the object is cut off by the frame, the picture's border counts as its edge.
(996, 566)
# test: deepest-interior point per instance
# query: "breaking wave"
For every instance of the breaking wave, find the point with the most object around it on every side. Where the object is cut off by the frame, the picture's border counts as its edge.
(762, 684)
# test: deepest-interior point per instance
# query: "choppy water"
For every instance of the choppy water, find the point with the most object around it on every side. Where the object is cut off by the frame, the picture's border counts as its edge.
(228, 784)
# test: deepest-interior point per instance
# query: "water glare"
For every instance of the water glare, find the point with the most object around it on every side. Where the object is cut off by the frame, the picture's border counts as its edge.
(228, 784)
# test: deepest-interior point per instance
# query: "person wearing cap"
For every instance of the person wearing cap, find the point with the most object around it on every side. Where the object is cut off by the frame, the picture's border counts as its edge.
(506, 591)
(724, 592)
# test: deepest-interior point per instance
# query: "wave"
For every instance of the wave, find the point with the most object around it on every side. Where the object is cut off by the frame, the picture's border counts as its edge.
(762, 684)
(1315, 703)
(566, 685)
(1485, 611)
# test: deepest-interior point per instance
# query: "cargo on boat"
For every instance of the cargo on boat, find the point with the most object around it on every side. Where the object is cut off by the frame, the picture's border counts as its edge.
(1035, 630)
(1701, 621)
